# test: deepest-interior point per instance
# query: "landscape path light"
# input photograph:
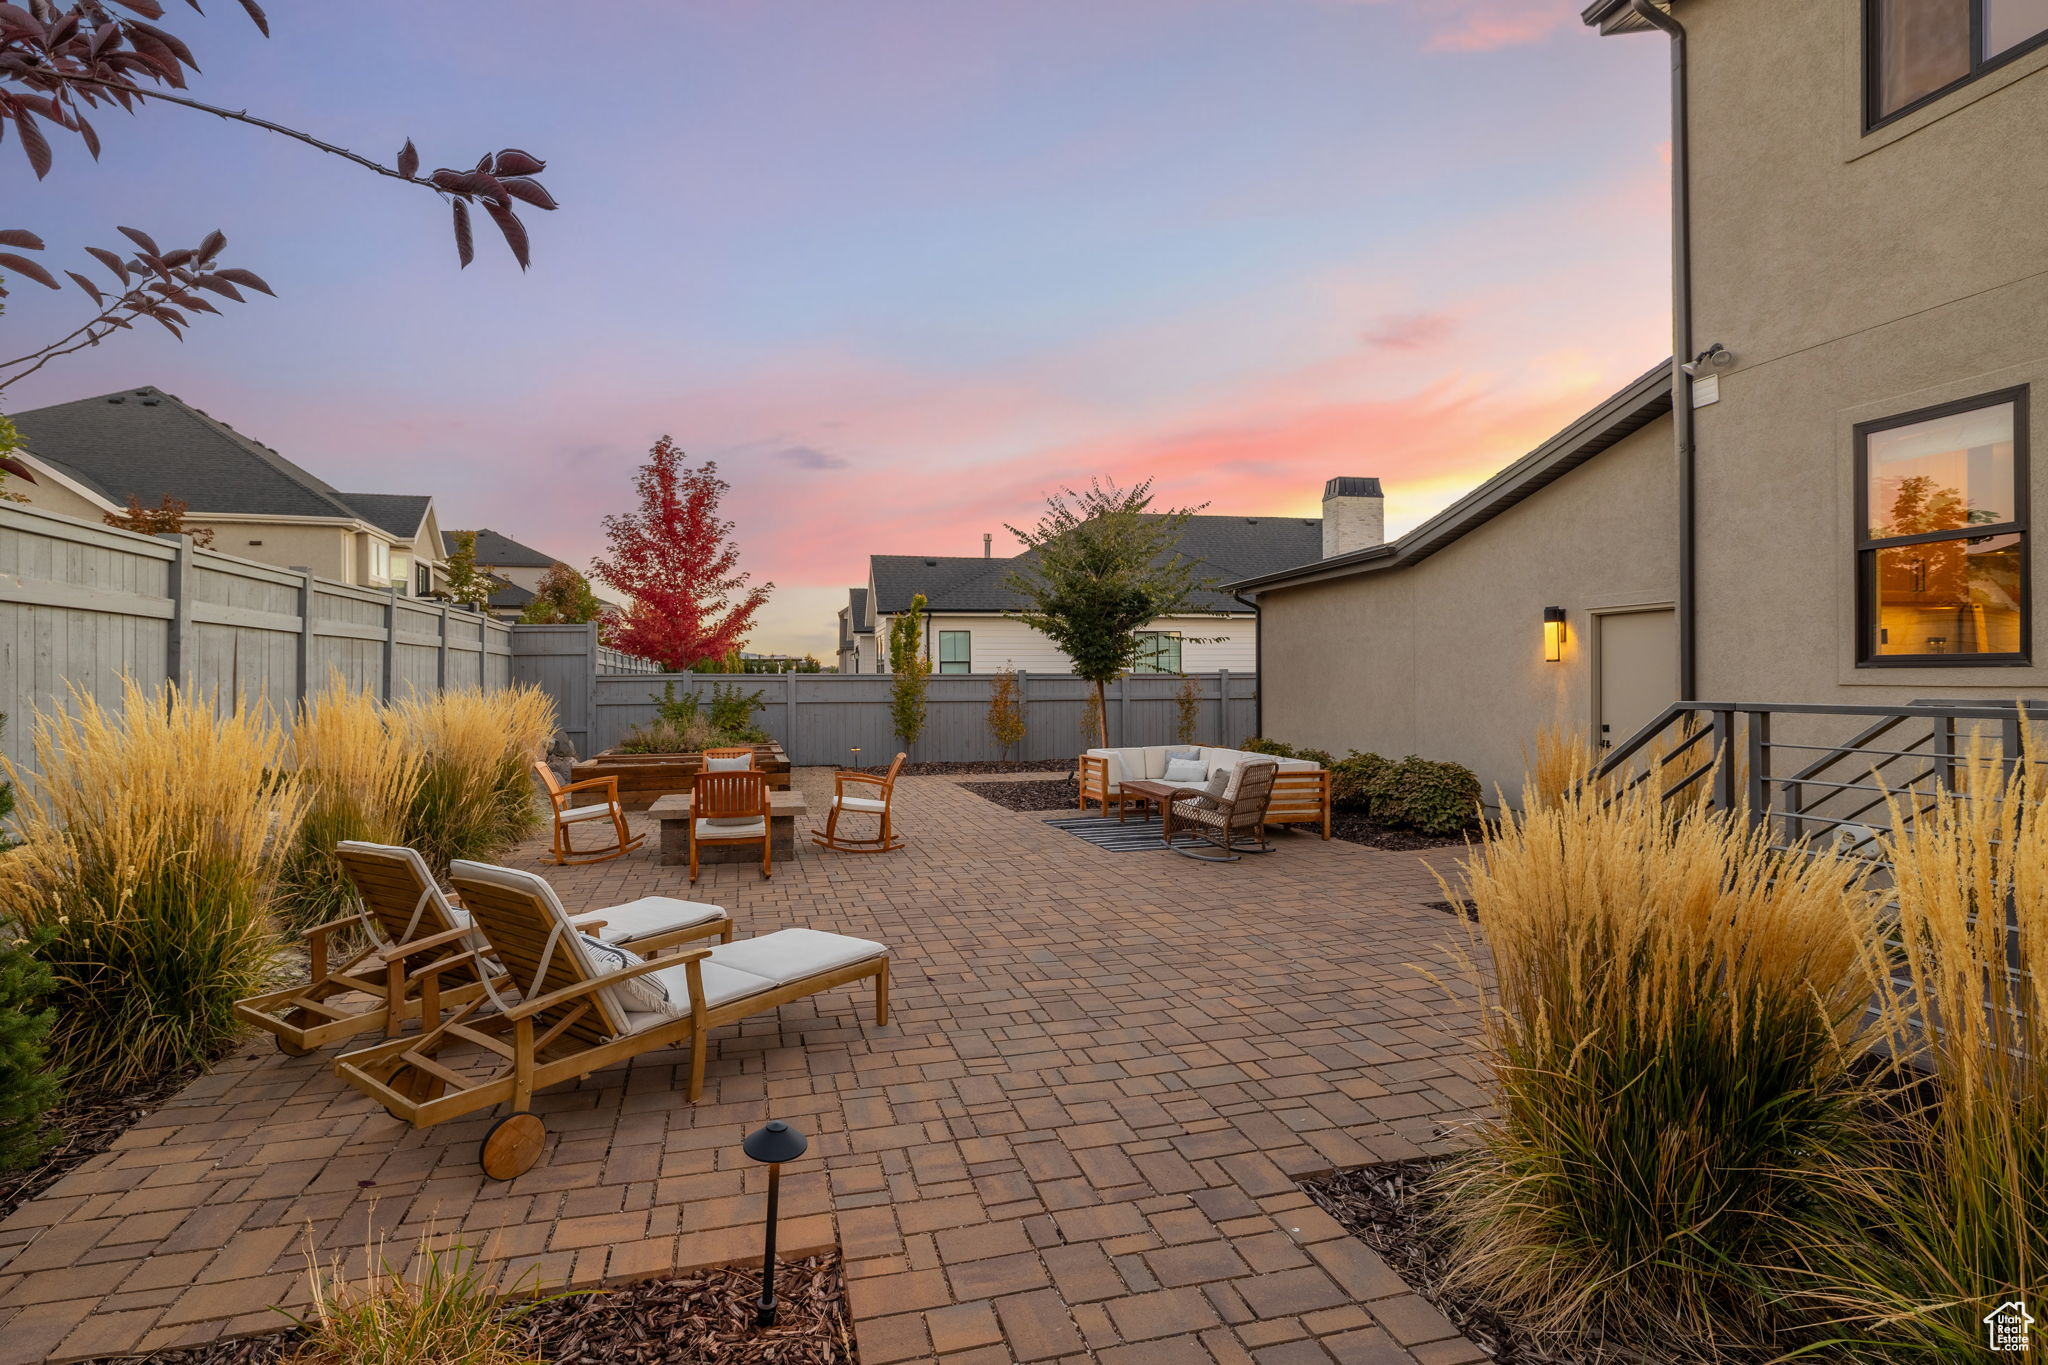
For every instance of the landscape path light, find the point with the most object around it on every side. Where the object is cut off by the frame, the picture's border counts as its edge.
(773, 1143)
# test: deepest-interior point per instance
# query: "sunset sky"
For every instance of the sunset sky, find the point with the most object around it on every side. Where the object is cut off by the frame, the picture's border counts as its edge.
(900, 266)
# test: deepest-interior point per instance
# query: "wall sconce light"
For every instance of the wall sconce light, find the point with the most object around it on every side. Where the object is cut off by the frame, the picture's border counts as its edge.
(1715, 357)
(1553, 634)
(773, 1144)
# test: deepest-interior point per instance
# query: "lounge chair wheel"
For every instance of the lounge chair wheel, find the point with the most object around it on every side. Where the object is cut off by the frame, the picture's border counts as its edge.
(512, 1145)
(297, 1019)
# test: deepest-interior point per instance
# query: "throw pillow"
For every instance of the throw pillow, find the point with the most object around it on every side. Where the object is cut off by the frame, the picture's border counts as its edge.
(1184, 751)
(1185, 772)
(737, 763)
(641, 994)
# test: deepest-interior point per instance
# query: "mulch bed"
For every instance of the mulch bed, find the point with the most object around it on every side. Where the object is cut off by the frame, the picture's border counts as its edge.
(1468, 910)
(1028, 796)
(967, 769)
(88, 1121)
(1354, 828)
(1391, 1209)
(692, 1319)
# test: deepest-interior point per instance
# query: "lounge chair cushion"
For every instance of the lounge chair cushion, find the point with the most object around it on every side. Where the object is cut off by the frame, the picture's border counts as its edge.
(735, 763)
(635, 995)
(732, 829)
(865, 804)
(650, 915)
(584, 813)
(722, 985)
(789, 955)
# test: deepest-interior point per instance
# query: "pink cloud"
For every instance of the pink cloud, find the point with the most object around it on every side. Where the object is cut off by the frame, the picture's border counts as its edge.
(1410, 331)
(1487, 25)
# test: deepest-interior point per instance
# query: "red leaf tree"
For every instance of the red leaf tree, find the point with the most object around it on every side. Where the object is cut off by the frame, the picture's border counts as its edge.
(674, 561)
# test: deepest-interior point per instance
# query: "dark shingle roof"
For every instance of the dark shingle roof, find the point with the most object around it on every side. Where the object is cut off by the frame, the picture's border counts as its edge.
(857, 617)
(398, 513)
(494, 548)
(148, 444)
(508, 596)
(1223, 548)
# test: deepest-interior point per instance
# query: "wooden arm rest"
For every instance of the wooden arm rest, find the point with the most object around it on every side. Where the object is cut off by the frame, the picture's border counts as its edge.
(442, 964)
(398, 951)
(588, 926)
(567, 993)
(322, 930)
(590, 783)
(847, 776)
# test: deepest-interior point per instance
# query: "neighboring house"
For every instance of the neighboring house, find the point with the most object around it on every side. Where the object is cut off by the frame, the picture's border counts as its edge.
(1846, 519)
(94, 454)
(515, 570)
(967, 628)
(856, 634)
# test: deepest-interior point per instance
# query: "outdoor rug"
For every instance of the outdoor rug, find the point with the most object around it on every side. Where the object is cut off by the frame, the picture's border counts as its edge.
(1132, 836)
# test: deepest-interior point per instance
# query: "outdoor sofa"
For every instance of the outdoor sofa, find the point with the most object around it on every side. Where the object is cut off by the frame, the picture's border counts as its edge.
(1301, 789)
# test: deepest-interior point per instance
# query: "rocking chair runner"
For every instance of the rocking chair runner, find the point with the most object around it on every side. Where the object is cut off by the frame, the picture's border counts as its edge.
(567, 815)
(409, 919)
(878, 804)
(571, 1018)
(1219, 817)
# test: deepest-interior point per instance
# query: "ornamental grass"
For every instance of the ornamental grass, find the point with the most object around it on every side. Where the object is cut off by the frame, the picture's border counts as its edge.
(361, 781)
(446, 1314)
(476, 793)
(152, 840)
(1670, 1045)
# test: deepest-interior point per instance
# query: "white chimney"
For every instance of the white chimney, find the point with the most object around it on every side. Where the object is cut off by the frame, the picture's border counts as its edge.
(1354, 516)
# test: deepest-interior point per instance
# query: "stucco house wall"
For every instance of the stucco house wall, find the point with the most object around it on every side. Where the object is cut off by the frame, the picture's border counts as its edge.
(1444, 657)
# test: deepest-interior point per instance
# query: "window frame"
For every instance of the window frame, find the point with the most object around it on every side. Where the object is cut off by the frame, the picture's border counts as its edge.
(1875, 118)
(1867, 547)
(1180, 644)
(941, 664)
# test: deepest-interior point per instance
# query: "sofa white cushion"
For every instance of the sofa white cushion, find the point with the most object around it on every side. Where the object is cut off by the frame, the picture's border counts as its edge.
(650, 915)
(789, 955)
(722, 986)
(731, 829)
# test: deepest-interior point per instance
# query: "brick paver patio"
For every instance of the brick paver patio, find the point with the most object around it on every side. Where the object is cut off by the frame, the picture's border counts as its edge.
(1075, 1141)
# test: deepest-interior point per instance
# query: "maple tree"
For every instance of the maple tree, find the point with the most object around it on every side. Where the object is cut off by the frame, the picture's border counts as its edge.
(57, 62)
(674, 561)
(167, 518)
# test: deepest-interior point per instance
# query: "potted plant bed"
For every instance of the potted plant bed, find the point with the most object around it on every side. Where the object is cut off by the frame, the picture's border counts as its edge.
(645, 778)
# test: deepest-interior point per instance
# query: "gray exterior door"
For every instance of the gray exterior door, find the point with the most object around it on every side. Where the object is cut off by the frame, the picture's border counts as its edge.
(1638, 669)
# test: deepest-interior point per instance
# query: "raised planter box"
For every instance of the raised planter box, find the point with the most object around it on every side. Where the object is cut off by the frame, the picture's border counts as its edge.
(645, 778)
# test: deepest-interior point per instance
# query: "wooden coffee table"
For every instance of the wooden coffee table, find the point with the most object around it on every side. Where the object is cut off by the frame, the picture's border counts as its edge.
(673, 812)
(1147, 794)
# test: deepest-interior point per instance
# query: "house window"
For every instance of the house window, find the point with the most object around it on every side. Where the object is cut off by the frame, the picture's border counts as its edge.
(401, 572)
(1918, 50)
(1942, 534)
(956, 651)
(380, 560)
(1158, 652)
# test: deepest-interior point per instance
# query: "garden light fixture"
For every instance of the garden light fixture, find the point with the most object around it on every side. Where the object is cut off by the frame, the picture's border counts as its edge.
(773, 1143)
(1553, 634)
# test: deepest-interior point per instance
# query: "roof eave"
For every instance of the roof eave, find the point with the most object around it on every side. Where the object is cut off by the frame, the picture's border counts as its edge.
(1615, 16)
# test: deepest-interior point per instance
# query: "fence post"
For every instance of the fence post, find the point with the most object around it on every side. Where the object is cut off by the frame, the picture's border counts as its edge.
(590, 648)
(789, 713)
(1759, 793)
(309, 601)
(390, 641)
(441, 664)
(1724, 760)
(1223, 708)
(1123, 709)
(1023, 712)
(177, 663)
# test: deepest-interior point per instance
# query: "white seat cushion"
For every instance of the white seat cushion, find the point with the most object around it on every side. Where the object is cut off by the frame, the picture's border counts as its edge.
(732, 829)
(584, 813)
(789, 955)
(860, 803)
(722, 986)
(650, 915)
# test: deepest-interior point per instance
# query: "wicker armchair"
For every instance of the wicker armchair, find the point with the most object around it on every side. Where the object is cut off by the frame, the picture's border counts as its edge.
(1219, 818)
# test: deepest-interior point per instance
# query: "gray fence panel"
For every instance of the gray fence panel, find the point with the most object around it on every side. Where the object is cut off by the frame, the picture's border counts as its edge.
(84, 606)
(560, 660)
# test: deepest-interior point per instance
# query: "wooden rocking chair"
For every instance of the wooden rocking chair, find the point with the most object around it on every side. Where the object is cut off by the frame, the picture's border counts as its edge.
(572, 1018)
(878, 804)
(408, 919)
(566, 815)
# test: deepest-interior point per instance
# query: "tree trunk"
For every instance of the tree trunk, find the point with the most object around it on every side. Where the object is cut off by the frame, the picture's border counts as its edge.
(1102, 712)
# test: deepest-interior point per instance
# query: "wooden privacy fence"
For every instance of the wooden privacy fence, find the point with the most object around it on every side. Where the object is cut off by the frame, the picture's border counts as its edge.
(819, 717)
(83, 605)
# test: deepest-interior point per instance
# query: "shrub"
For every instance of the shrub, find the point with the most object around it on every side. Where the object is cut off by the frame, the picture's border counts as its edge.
(1005, 710)
(152, 840)
(1958, 1223)
(662, 736)
(1352, 778)
(1187, 711)
(446, 1315)
(27, 1089)
(732, 711)
(681, 712)
(475, 798)
(1272, 747)
(360, 780)
(1419, 794)
(1670, 1050)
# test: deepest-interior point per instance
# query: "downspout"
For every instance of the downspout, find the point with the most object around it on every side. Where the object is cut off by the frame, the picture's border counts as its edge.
(1258, 670)
(1682, 419)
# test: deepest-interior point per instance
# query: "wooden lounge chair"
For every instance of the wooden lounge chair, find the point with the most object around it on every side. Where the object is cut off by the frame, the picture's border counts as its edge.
(876, 802)
(567, 815)
(1220, 817)
(731, 808)
(571, 1018)
(409, 921)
